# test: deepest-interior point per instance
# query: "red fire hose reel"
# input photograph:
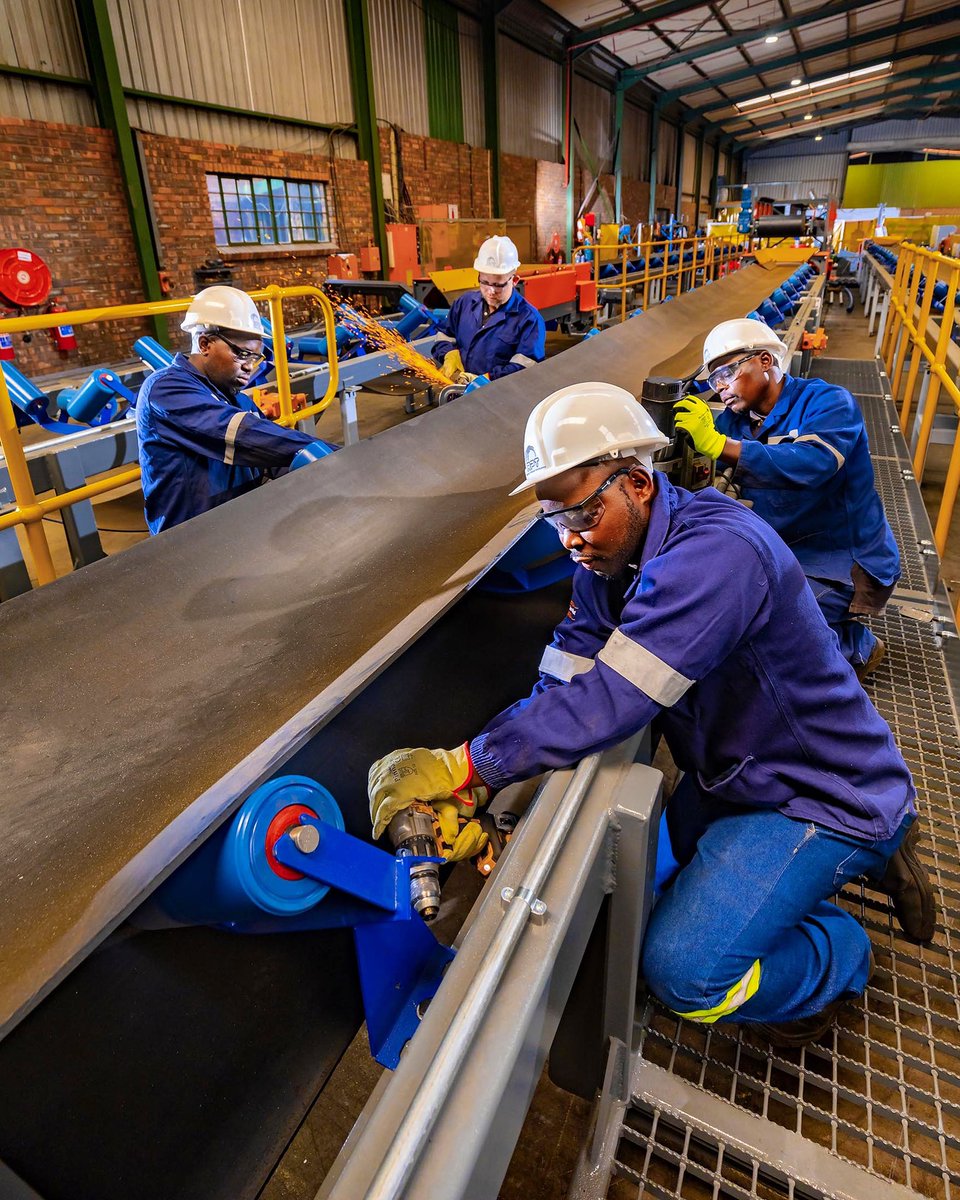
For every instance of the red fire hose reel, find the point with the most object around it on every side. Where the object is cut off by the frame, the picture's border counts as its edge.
(25, 282)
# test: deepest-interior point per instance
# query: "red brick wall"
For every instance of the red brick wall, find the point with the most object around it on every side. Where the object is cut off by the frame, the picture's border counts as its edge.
(61, 197)
(439, 172)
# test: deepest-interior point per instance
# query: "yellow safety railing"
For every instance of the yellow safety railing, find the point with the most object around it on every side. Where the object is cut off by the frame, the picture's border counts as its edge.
(913, 334)
(708, 255)
(30, 511)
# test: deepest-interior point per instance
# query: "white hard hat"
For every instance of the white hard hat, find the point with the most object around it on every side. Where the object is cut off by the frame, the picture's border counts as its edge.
(497, 256)
(222, 307)
(730, 337)
(582, 423)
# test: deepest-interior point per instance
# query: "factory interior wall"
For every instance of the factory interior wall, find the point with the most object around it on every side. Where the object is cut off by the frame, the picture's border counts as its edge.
(61, 197)
(437, 172)
(913, 184)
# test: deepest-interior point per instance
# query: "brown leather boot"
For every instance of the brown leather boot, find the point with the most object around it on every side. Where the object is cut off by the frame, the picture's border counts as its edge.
(792, 1034)
(875, 658)
(907, 883)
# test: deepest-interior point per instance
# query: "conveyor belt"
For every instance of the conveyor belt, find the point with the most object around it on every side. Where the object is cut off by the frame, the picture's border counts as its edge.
(883, 1089)
(134, 686)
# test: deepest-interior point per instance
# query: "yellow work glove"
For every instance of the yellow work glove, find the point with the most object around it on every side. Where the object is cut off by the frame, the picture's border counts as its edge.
(695, 417)
(452, 366)
(398, 779)
(458, 842)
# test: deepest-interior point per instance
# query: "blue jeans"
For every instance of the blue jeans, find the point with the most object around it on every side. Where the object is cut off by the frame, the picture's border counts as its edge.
(746, 932)
(856, 640)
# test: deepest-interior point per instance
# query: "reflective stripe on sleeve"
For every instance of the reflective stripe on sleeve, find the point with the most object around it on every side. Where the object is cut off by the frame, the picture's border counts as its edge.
(562, 665)
(523, 361)
(814, 437)
(643, 669)
(738, 995)
(230, 437)
(444, 337)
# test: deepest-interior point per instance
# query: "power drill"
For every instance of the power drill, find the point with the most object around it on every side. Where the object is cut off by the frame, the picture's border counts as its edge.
(416, 832)
(681, 462)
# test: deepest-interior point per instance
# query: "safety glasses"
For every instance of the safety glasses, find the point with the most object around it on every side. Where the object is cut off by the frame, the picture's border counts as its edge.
(584, 515)
(251, 358)
(722, 375)
(494, 287)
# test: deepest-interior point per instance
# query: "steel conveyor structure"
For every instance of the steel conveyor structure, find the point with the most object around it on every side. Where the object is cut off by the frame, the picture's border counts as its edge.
(310, 626)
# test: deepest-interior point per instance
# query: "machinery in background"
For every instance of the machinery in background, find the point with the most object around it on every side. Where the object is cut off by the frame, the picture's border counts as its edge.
(680, 461)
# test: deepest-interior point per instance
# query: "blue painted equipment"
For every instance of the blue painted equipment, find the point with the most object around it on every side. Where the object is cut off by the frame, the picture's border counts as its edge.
(479, 382)
(26, 397)
(783, 301)
(312, 453)
(415, 315)
(319, 345)
(152, 353)
(97, 401)
(285, 864)
(745, 216)
(534, 561)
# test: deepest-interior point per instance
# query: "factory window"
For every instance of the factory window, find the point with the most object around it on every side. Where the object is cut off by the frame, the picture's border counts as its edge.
(248, 210)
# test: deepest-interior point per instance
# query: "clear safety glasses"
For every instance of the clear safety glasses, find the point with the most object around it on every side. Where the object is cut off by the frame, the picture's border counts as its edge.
(584, 515)
(722, 375)
(494, 287)
(249, 358)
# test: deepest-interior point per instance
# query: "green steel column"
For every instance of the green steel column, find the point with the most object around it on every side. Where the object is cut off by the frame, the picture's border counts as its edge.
(654, 156)
(365, 113)
(491, 103)
(697, 180)
(714, 174)
(618, 157)
(441, 44)
(681, 139)
(101, 54)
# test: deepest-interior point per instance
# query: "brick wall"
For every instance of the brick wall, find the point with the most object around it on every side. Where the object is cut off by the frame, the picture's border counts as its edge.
(438, 172)
(177, 169)
(61, 197)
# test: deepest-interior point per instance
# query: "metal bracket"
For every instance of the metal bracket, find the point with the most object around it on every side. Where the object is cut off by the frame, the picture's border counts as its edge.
(538, 910)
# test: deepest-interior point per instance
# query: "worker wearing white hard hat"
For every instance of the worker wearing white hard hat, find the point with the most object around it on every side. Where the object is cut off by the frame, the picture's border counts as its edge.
(792, 782)
(494, 331)
(202, 440)
(801, 456)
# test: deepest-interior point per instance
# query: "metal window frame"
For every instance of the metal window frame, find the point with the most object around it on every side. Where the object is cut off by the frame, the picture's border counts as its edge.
(319, 208)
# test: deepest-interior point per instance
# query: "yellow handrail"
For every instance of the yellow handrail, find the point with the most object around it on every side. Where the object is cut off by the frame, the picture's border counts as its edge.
(716, 253)
(30, 511)
(914, 263)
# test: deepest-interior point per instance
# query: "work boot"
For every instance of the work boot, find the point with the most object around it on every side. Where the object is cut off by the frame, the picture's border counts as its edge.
(874, 659)
(907, 883)
(792, 1034)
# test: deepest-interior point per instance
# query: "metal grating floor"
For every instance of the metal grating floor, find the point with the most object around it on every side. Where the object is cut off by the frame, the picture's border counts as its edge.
(882, 1089)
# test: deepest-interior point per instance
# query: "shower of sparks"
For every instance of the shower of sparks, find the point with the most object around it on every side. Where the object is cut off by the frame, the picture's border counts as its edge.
(382, 337)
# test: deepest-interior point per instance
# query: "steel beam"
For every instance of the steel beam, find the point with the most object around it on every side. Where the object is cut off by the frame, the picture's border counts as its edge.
(491, 103)
(733, 40)
(656, 12)
(365, 113)
(618, 156)
(792, 59)
(94, 20)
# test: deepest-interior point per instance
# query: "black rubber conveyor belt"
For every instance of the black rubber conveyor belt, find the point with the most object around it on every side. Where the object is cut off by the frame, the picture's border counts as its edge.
(131, 687)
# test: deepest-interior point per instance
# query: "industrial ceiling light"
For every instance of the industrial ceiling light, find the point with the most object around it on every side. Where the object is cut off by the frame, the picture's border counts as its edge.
(771, 38)
(818, 138)
(808, 116)
(797, 86)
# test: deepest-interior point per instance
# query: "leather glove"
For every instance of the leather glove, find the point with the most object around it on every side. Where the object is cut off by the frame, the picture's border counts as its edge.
(458, 842)
(476, 381)
(398, 779)
(694, 416)
(452, 366)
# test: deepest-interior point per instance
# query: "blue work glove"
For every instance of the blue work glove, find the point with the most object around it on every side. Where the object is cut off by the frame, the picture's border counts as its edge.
(477, 381)
(309, 454)
(695, 417)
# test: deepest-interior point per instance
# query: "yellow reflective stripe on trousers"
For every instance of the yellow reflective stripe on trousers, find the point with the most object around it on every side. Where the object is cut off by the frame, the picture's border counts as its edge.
(739, 994)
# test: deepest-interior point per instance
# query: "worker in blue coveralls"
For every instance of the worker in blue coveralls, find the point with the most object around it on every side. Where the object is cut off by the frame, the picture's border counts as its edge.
(801, 456)
(494, 331)
(202, 441)
(687, 607)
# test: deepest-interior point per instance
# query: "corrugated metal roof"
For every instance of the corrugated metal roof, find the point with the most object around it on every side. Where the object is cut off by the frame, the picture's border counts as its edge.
(400, 73)
(471, 81)
(593, 112)
(33, 101)
(224, 129)
(635, 142)
(531, 102)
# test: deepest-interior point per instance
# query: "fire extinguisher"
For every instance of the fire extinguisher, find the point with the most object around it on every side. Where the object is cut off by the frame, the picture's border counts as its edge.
(63, 336)
(6, 341)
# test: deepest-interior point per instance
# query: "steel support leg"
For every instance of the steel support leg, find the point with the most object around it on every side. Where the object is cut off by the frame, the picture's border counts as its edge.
(79, 522)
(348, 416)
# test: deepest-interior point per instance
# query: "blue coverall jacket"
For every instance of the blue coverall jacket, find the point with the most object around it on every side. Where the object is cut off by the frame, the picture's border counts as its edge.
(807, 469)
(199, 446)
(717, 631)
(511, 338)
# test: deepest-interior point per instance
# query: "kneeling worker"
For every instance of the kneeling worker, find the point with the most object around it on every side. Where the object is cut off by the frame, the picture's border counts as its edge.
(802, 457)
(793, 784)
(492, 332)
(202, 441)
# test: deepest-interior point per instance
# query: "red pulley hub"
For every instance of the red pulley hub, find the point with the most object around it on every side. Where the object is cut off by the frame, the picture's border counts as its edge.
(25, 279)
(285, 820)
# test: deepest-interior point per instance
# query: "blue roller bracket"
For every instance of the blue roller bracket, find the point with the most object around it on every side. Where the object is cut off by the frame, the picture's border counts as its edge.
(534, 561)
(312, 453)
(285, 864)
(415, 316)
(152, 353)
(97, 400)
